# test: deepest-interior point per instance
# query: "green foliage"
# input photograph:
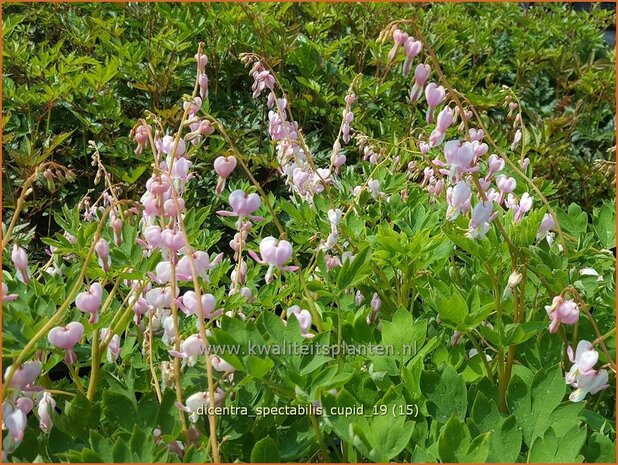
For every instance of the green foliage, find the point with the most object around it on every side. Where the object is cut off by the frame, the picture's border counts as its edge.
(73, 73)
(472, 374)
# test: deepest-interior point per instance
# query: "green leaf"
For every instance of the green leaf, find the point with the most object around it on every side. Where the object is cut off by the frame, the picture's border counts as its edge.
(519, 333)
(456, 446)
(506, 437)
(604, 225)
(550, 448)
(452, 309)
(102, 446)
(119, 410)
(533, 405)
(354, 271)
(258, 366)
(265, 451)
(404, 335)
(600, 449)
(89, 456)
(121, 452)
(447, 397)
(388, 436)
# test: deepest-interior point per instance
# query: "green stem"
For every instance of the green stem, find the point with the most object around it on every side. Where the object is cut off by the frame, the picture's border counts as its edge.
(75, 376)
(610, 333)
(320, 438)
(96, 364)
(481, 354)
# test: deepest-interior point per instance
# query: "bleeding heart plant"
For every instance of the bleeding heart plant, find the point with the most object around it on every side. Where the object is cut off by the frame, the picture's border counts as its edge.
(408, 264)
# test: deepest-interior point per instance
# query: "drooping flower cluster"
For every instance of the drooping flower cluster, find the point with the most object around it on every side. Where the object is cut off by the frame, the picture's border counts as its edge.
(295, 161)
(460, 167)
(23, 400)
(338, 159)
(411, 46)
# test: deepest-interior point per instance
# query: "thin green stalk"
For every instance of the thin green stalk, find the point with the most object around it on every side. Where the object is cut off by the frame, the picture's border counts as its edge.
(96, 364)
(75, 375)
(479, 349)
(320, 438)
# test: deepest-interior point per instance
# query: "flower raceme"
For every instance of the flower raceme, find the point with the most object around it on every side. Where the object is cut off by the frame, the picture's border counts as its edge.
(263, 79)
(292, 153)
(411, 46)
(348, 117)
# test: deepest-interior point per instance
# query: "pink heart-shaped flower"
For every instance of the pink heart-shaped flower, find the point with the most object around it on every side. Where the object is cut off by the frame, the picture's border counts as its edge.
(65, 337)
(244, 204)
(25, 375)
(275, 252)
(90, 300)
(173, 240)
(225, 165)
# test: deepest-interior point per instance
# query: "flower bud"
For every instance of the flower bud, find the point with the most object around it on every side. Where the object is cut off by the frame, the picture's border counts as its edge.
(20, 261)
(514, 279)
(102, 250)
